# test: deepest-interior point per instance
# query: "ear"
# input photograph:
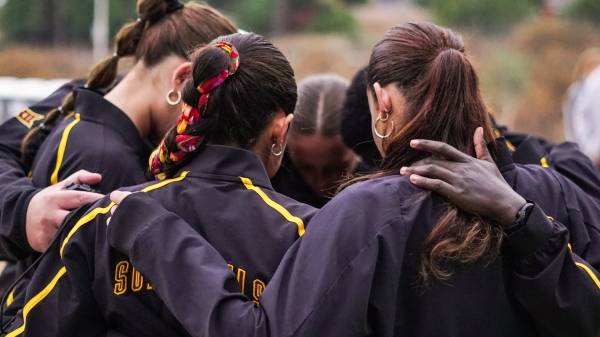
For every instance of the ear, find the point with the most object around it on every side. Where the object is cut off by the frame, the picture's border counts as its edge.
(285, 127)
(383, 97)
(281, 128)
(181, 75)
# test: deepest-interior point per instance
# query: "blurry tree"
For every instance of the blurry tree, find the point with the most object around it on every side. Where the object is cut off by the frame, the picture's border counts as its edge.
(280, 16)
(424, 3)
(58, 21)
(588, 10)
(333, 16)
(489, 16)
(355, 2)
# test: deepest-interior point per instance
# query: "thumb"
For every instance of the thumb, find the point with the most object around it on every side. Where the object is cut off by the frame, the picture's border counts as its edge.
(82, 177)
(481, 150)
(118, 196)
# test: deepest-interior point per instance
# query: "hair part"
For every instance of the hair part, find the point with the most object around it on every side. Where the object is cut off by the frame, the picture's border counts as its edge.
(429, 67)
(320, 101)
(157, 34)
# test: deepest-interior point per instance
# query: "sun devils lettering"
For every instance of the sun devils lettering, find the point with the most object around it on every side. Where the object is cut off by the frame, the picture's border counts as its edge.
(28, 117)
(128, 280)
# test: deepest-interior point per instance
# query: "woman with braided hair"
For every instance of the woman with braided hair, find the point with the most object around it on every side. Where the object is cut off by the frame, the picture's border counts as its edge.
(212, 168)
(109, 133)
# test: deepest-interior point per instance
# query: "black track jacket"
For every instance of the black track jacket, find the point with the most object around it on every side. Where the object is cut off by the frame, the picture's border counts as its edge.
(354, 272)
(83, 287)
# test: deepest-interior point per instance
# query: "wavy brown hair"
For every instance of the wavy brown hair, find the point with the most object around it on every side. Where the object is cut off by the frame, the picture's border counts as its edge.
(163, 28)
(429, 67)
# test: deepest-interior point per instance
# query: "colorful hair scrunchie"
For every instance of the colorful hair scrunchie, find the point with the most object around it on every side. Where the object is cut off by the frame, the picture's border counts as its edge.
(192, 115)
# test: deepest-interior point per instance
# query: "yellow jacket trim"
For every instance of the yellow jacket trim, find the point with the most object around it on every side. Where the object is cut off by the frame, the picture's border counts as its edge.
(590, 272)
(103, 210)
(11, 297)
(166, 182)
(37, 299)
(85, 219)
(293, 219)
(61, 149)
(544, 162)
(510, 145)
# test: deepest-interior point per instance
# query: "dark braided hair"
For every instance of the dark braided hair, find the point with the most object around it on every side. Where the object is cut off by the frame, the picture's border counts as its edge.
(241, 108)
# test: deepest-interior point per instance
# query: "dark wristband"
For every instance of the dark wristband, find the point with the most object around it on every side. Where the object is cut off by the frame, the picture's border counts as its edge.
(522, 216)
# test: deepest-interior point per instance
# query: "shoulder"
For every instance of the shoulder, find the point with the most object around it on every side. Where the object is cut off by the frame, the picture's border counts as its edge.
(392, 190)
(367, 207)
(531, 175)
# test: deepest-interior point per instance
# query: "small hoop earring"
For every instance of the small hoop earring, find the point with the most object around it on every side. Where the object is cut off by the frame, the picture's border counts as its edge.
(173, 103)
(379, 119)
(387, 115)
(278, 153)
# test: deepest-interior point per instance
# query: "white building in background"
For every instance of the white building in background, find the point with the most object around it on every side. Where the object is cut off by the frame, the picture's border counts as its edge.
(18, 93)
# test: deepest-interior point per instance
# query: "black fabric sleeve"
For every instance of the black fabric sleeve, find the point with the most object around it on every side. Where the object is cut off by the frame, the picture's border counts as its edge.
(141, 228)
(58, 300)
(303, 297)
(16, 189)
(556, 287)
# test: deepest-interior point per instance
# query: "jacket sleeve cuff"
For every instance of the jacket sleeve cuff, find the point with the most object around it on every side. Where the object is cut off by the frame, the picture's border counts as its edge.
(130, 218)
(21, 220)
(531, 237)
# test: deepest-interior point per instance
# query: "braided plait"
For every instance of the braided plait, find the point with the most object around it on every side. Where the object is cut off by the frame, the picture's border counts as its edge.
(238, 110)
(184, 142)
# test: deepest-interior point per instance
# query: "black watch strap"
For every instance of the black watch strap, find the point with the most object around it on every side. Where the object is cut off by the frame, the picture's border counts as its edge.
(522, 217)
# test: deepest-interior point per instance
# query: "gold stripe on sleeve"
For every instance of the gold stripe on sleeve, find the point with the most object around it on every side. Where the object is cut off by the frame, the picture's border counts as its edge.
(590, 273)
(284, 212)
(37, 299)
(11, 298)
(84, 220)
(103, 210)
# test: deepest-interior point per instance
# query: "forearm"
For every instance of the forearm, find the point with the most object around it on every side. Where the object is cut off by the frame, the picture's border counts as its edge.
(16, 190)
(185, 270)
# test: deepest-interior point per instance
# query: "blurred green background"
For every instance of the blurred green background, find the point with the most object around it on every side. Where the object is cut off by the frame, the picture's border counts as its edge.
(525, 50)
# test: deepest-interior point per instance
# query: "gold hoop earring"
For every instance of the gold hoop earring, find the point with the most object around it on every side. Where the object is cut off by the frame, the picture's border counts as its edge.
(173, 103)
(276, 154)
(383, 120)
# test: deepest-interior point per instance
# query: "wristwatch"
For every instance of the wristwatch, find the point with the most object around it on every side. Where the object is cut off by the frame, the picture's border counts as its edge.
(522, 217)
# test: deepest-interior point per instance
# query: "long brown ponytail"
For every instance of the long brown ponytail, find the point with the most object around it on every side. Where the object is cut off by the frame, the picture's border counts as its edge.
(429, 67)
(163, 28)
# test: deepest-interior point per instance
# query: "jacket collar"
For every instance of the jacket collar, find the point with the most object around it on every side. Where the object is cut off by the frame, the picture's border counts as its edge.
(94, 108)
(229, 162)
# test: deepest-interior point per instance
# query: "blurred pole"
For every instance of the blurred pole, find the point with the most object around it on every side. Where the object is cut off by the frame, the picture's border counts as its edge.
(100, 30)
(280, 19)
(59, 22)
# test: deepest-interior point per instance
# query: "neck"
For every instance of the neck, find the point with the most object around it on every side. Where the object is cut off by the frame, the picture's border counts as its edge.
(133, 95)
